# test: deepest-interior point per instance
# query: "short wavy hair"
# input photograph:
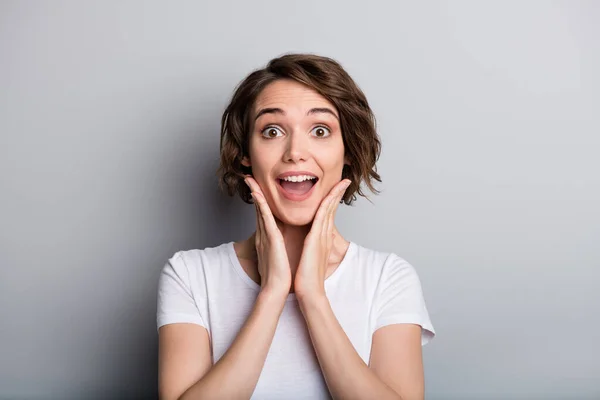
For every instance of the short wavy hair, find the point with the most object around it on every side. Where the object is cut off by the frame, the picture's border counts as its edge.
(326, 76)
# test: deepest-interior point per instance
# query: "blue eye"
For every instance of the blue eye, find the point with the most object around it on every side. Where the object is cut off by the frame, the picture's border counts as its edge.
(270, 132)
(321, 131)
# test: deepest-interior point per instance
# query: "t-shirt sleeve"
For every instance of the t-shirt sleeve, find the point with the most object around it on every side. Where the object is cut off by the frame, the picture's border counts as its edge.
(399, 298)
(175, 302)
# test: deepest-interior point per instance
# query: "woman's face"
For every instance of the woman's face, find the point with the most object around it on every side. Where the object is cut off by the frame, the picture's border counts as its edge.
(295, 131)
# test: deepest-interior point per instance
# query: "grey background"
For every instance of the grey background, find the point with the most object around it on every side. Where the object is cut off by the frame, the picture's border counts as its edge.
(489, 116)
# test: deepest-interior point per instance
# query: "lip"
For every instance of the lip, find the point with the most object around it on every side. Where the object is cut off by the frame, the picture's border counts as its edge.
(296, 197)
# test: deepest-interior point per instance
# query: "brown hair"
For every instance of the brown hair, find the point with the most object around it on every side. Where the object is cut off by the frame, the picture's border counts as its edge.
(327, 77)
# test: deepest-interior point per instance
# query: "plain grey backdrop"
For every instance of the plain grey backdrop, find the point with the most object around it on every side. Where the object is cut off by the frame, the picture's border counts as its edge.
(489, 114)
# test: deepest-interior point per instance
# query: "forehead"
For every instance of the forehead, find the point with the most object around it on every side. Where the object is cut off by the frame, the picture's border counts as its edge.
(289, 94)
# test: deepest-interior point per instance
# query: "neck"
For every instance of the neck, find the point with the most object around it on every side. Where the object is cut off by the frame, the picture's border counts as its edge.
(294, 237)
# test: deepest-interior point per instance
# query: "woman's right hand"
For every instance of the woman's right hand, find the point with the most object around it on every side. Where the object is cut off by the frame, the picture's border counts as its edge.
(273, 263)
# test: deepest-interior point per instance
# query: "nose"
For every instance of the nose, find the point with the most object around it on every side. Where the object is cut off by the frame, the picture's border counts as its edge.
(297, 148)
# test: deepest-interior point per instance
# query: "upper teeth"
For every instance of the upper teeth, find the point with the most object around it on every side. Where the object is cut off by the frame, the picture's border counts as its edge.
(299, 178)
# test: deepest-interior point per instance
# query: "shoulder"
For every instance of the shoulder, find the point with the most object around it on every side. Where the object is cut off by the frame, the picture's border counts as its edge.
(398, 296)
(199, 258)
(383, 263)
(194, 268)
(184, 284)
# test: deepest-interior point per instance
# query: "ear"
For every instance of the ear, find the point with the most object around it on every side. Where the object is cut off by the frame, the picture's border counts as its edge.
(347, 160)
(246, 161)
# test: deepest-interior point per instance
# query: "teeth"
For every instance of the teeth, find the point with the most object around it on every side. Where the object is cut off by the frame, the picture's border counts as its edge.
(299, 178)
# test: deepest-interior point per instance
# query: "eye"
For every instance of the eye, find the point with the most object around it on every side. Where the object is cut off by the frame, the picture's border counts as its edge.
(270, 132)
(321, 131)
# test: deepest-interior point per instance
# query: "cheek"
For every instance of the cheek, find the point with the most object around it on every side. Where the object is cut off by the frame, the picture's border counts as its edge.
(262, 157)
(331, 160)
(333, 150)
(263, 164)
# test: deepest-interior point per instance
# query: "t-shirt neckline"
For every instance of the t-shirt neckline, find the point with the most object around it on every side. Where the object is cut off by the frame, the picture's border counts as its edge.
(237, 266)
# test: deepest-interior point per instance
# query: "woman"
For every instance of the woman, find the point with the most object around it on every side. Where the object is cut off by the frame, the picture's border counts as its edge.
(295, 310)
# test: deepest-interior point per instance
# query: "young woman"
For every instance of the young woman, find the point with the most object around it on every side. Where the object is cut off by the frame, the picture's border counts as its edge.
(295, 310)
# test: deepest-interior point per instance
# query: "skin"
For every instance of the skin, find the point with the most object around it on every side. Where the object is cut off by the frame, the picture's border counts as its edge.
(302, 142)
(294, 248)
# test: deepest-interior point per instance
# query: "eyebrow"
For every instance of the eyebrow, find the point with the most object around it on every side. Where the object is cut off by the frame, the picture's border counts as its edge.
(322, 110)
(275, 110)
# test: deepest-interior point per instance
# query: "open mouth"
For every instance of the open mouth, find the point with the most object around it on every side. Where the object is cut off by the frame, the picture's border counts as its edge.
(297, 190)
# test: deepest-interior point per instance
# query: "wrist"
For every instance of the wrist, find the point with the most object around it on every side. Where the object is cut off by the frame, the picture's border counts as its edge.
(269, 294)
(311, 300)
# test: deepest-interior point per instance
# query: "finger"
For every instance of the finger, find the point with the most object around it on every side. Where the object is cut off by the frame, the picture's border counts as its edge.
(342, 190)
(259, 223)
(319, 220)
(339, 191)
(325, 203)
(269, 224)
(253, 184)
(260, 230)
(267, 220)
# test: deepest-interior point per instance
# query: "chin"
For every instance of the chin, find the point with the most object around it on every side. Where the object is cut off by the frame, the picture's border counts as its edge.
(298, 217)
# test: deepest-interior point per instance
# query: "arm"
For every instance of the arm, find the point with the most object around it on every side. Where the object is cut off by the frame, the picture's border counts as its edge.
(346, 374)
(185, 371)
(396, 362)
(184, 367)
(397, 358)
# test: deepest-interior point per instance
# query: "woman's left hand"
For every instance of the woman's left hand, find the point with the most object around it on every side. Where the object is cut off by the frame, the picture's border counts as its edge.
(310, 275)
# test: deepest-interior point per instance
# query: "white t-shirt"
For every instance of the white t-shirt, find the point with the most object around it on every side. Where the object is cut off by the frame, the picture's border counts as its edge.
(368, 290)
